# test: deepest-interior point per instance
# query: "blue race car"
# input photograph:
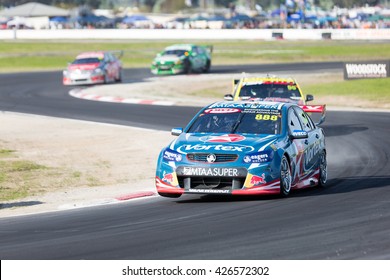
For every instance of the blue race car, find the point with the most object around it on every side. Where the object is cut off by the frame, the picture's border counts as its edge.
(245, 148)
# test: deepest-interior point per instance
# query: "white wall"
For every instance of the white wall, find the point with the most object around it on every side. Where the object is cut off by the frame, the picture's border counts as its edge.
(204, 34)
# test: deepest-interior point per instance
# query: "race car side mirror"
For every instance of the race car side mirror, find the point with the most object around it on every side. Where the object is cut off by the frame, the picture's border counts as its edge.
(299, 134)
(309, 97)
(177, 131)
(228, 97)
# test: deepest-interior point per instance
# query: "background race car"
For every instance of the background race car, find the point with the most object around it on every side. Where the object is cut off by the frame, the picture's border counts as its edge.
(182, 58)
(94, 68)
(244, 148)
(268, 89)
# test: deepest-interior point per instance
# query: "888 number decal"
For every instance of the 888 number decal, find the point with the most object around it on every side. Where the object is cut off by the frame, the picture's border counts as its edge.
(266, 117)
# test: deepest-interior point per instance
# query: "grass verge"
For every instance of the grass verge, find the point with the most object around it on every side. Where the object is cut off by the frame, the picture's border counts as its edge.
(50, 55)
(330, 89)
(21, 178)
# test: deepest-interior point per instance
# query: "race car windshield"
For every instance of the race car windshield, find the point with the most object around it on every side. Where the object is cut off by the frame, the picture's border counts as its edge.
(285, 92)
(238, 122)
(88, 60)
(175, 52)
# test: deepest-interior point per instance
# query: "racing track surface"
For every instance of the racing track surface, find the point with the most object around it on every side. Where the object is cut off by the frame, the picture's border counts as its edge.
(349, 219)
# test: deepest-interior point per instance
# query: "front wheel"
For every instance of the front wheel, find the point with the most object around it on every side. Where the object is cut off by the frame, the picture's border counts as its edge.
(323, 170)
(206, 69)
(285, 177)
(187, 67)
(118, 79)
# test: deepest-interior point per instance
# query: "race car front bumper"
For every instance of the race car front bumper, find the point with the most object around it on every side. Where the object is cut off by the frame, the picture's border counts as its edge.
(205, 180)
(84, 79)
(161, 70)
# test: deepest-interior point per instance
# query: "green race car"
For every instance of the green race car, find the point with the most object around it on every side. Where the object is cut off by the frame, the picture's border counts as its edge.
(183, 58)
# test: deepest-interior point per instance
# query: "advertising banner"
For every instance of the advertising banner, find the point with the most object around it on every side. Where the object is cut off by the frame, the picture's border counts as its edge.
(366, 70)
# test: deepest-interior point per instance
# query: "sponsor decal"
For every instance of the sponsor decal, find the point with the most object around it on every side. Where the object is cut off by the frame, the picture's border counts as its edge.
(254, 180)
(361, 70)
(257, 180)
(311, 152)
(170, 178)
(222, 111)
(172, 156)
(313, 108)
(226, 148)
(256, 158)
(223, 138)
(211, 172)
(208, 191)
(262, 111)
(299, 133)
(267, 105)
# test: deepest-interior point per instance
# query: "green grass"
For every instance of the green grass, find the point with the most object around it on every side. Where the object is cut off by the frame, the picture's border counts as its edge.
(329, 88)
(6, 153)
(16, 178)
(377, 90)
(49, 55)
(20, 178)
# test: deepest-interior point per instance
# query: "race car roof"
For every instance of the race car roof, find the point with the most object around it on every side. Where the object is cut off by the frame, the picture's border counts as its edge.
(267, 80)
(186, 47)
(99, 55)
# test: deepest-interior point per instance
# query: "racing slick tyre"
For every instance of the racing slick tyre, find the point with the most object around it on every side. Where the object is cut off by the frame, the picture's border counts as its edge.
(119, 78)
(206, 69)
(323, 170)
(187, 67)
(285, 177)
(170, 195)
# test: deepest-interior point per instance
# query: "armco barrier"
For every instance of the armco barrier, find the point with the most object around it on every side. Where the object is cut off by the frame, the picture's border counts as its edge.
(203, 34)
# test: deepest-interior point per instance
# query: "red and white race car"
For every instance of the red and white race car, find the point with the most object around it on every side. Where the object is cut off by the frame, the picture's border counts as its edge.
(93, 68)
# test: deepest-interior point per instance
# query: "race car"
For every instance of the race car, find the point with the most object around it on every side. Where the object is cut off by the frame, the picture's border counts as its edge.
(268, 89)
(244, 148)
(182, 58)
(94, 68)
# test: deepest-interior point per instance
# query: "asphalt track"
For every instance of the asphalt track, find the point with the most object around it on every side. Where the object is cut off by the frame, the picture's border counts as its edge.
(349, 219)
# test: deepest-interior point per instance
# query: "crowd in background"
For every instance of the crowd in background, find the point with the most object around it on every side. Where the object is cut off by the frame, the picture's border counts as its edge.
(359, 17)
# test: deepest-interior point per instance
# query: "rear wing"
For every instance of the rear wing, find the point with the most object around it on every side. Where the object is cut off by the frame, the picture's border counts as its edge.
(319, 109)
